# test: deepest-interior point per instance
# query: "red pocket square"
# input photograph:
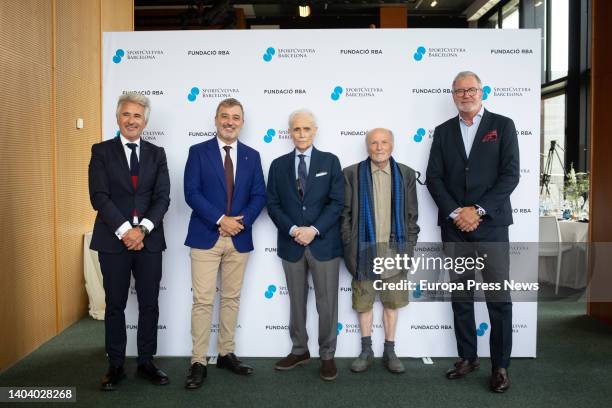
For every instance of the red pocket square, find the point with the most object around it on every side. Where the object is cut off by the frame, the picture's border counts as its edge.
(490, 136)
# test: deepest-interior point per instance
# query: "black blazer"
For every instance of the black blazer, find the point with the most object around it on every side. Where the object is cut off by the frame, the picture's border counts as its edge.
(113, 196)
(321, 207)
(485, 178)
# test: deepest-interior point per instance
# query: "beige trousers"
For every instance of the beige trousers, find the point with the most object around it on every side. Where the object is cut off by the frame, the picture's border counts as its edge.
(205, 264)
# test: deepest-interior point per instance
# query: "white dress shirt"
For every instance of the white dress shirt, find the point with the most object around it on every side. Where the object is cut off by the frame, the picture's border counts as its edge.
(468, 134)
(307, 155)
(233, 156)
(145, 222)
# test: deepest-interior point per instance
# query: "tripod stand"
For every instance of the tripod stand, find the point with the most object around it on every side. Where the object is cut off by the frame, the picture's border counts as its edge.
(546, 173)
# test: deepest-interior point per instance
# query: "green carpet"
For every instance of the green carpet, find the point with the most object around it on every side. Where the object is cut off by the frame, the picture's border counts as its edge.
(572, 370)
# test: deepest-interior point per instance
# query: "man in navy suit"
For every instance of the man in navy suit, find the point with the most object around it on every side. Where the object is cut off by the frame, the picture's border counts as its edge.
(129, 186)
(224, 186)
(473, 168)
(305, 200)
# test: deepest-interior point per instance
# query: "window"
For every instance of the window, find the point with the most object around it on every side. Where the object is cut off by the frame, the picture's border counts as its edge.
(510, 15)
(559, 24)
(553, 129)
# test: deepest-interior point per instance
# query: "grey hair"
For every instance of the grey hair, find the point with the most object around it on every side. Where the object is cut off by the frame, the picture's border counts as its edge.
(299, 112)
(138, 98)
(228, 103)
(465, 74)
(385, 129)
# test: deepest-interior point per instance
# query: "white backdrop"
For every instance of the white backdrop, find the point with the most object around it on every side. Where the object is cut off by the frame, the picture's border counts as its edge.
(353, 80)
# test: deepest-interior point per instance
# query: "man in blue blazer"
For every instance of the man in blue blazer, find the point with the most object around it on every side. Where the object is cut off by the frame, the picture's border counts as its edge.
(224, 186)
(473, 168)
(305, 200)
(129, 187)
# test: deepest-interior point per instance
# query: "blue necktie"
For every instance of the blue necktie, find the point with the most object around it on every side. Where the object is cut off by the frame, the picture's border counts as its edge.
(302, 175)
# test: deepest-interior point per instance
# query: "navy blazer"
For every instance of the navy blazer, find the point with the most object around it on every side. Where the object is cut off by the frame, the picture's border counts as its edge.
(206, 194)
(112, 194)
(486, 178)
(321, 207)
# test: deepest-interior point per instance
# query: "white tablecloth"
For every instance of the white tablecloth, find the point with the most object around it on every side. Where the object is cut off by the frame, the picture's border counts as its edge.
(573, 272)
(573, 231)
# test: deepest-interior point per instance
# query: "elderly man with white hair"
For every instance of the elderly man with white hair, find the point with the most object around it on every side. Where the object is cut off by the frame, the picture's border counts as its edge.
(379, 220)
(305, 198)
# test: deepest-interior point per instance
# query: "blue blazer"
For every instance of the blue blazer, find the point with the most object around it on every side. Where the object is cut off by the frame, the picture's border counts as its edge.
(206, 194)
(487, 177)
(322, 205)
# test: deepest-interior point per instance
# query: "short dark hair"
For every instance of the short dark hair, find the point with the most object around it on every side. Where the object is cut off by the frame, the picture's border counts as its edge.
(228, 103)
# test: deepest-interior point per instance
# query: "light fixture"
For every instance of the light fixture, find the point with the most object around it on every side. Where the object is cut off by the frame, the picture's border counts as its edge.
(304, 10)
(538, 4)
(434, 3)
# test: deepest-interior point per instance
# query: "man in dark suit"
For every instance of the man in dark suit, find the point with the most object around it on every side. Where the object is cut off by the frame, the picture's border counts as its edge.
(129, 186)
(305, 200)
(473, 168)
(224, 186)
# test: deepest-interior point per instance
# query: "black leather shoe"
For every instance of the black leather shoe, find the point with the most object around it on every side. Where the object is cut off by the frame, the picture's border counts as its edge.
(500, 382)
(231, 362)
(113, 376)
(195, 376)
(150, 371)
(461, 368)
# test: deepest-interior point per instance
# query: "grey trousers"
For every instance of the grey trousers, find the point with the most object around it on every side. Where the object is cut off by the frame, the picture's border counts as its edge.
(325, 279)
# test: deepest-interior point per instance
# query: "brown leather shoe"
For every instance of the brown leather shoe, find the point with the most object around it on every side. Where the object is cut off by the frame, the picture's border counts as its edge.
(328, 370)
(500, 381)
(292, 361)
(461, 368)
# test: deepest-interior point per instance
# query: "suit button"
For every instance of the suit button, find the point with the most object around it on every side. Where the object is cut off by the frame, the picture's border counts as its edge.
(304, 208)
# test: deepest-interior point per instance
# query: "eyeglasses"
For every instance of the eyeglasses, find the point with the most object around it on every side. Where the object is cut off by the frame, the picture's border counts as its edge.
(469, 91)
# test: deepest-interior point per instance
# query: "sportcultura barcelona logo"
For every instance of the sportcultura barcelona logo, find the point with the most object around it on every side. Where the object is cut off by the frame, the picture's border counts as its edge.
(118, 55)
(270, 51)
(336, 93)
(420, 53)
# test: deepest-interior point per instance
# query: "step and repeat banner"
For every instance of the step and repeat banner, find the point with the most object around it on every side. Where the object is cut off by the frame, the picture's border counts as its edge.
(352, 80)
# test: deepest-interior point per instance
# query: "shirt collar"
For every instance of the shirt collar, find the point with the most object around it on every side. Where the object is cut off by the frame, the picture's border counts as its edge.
(375, 168)
(222, 144)
(478, 115)
(307, 152)
(124, 141)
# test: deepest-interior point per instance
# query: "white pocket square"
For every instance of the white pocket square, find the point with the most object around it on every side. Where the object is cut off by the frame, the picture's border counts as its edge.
(323, 173)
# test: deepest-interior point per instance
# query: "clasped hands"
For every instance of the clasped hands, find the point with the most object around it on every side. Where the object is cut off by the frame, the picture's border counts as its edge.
(467, 219)
(133, 239)
(230, 226)
(304, 235)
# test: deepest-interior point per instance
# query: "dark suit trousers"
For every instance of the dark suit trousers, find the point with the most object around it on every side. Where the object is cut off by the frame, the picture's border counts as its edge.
(325, 275)
(492, 241)
(117, 269)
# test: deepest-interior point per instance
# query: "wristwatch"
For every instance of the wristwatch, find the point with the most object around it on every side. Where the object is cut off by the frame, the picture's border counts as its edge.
(480, 211)
(144, 230)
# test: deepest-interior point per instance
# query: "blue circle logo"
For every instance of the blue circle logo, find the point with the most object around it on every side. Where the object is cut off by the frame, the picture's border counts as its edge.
(118, 55)
(336, 93)
(269, 135)
(418, 136)
(193, 94)
(420, 53)
(486, 90)
(269, 54)
(417, 292)
(339, 328)
(482, 329)
(270, 292)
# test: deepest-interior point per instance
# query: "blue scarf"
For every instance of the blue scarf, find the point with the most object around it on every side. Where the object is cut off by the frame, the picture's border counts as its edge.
(366, 247)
